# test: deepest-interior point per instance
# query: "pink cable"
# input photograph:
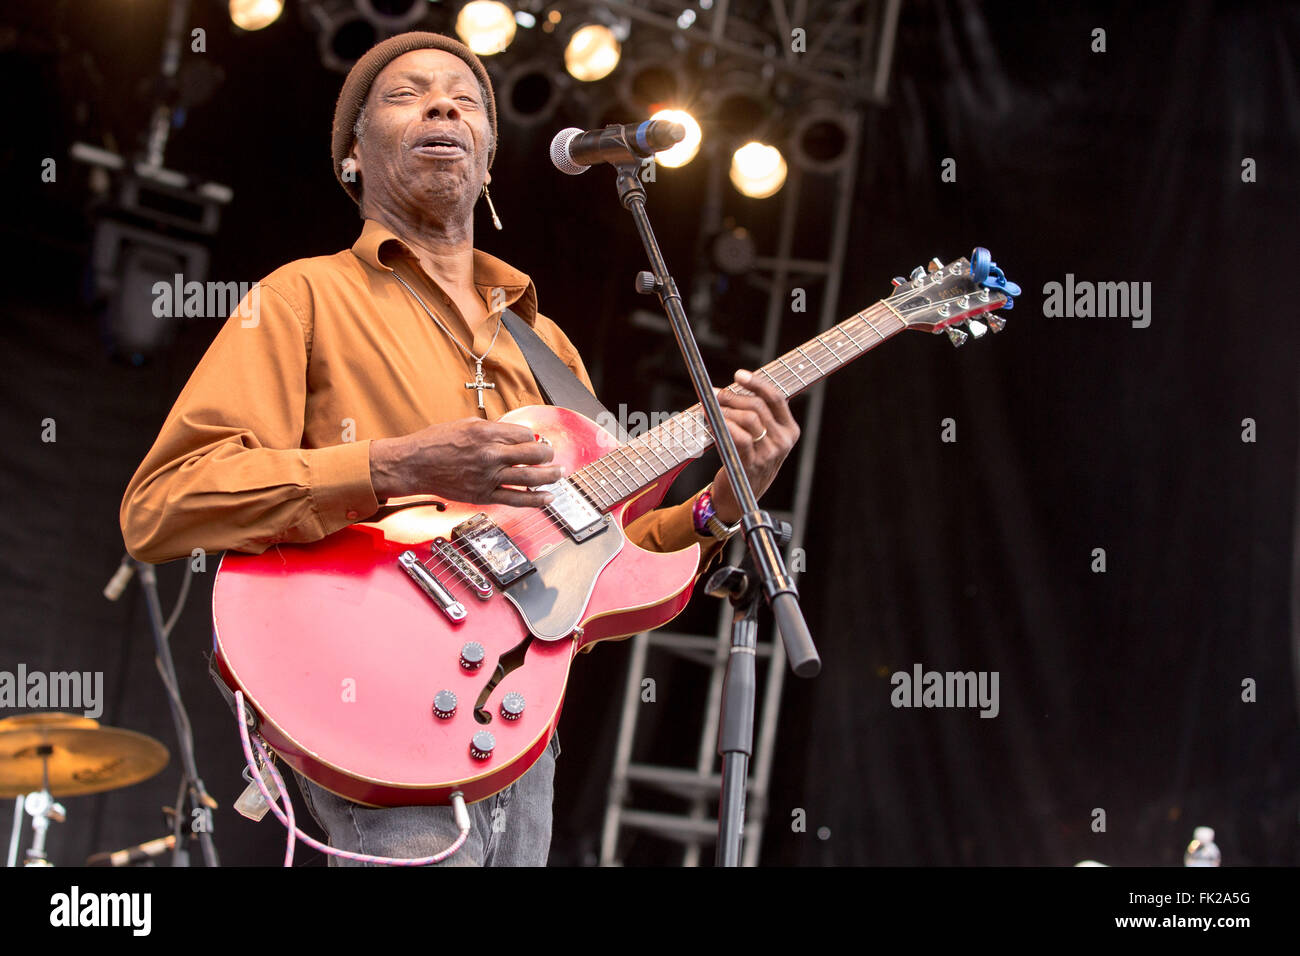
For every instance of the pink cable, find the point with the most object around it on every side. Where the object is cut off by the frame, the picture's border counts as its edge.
(290, 821)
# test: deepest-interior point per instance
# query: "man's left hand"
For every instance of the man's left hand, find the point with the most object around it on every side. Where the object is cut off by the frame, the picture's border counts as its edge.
(764, 431)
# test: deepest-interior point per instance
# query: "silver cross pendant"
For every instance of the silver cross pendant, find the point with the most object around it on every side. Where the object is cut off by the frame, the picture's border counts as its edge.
(479, 384)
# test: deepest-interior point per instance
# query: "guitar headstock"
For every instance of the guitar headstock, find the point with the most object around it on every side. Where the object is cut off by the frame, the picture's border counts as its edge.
(942, 296)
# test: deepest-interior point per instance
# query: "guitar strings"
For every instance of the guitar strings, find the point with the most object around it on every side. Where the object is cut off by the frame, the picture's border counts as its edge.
(684, 426)
(550, 521)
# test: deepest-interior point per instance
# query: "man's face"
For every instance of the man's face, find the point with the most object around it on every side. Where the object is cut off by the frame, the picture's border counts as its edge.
(426, 138)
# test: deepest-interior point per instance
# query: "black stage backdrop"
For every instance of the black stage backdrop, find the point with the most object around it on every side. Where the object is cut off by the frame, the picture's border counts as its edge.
(1120, 691)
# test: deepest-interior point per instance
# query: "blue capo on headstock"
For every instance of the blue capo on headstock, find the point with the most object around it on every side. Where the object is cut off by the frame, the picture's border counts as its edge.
(984, 271)
(940, 297)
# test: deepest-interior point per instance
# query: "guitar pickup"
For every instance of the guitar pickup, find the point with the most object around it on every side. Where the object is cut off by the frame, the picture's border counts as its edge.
(576, 514)
(464, 567)
(431, 586)
(493, 548)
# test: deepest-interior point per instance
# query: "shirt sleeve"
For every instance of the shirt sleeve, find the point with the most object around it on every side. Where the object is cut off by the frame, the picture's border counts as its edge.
(670, 528)
(227, 470)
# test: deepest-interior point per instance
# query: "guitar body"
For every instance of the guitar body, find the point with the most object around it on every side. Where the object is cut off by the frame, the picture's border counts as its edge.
(341, 653)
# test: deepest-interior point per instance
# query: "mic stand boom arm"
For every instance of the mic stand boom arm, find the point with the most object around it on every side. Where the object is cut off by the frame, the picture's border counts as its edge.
(777, 585)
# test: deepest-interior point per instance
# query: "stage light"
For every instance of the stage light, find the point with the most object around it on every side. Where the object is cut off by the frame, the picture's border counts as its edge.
(651, 80)
(393, 16)
(758, 170)
(685, 151)
(255, 14)
(343, 33)
(592, 53)
(734, 251)
(486, 26)
(736, 110)
(821, 138)
(530, 91)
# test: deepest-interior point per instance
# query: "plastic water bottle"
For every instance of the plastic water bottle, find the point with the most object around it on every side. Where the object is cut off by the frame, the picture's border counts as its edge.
(1202, 851)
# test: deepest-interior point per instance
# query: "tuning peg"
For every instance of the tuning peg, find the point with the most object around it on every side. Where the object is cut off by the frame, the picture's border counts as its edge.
(897, 281)
(956, 336)
(918, 272)
(997, 322)
(977, 328)
(934, 265)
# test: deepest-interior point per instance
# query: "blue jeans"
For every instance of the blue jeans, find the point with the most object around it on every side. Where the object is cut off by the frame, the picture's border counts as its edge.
(510, 828)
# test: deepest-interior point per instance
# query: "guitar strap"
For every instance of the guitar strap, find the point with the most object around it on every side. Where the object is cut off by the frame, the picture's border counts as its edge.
(556, 381)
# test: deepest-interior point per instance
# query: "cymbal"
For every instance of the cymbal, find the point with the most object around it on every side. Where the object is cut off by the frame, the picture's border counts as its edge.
(82, 756)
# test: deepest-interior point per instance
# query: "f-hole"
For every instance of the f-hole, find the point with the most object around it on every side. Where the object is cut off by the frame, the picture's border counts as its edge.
(509, 661)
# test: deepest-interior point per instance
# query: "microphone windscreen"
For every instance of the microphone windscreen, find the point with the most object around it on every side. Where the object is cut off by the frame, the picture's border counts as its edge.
(560, 152)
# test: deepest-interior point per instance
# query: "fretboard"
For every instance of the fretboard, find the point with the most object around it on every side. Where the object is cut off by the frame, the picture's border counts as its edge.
(643, 460)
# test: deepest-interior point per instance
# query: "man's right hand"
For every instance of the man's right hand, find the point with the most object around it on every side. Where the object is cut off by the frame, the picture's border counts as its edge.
(470, 461)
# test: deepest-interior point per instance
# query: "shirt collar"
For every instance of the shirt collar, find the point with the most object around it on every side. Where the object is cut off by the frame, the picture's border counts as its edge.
(378, 243)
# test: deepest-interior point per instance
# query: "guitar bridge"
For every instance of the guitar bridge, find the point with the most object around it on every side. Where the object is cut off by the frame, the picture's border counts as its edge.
(464, 567)
(431, 586)
(493, 548)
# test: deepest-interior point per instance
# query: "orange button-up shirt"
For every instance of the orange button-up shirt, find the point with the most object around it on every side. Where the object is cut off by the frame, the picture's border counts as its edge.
(269, 441)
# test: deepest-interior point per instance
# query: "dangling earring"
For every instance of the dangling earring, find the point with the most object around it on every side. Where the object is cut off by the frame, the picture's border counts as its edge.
(496, 220)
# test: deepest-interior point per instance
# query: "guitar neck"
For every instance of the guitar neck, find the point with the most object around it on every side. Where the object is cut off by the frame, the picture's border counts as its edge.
(645, 459)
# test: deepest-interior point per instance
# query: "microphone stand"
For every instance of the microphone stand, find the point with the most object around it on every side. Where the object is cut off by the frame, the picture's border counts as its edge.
(735, 736)
(191, 785)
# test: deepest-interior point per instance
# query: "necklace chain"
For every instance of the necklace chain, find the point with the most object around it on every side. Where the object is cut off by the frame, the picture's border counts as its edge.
(478, 359)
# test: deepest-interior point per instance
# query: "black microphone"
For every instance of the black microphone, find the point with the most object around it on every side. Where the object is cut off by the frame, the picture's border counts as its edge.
(572, 150)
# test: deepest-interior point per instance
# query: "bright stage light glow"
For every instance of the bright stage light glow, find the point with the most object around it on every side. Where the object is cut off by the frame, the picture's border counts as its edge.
(685, 151)
(255, 14)
(592, 53)
(486, 26)
(758, 170)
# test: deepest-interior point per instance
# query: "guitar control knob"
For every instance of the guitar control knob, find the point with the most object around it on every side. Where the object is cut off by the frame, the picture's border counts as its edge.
(471, 656)
(956, 335)
(918, 272)
(444, 705)
(934, 265)
(897, 281)
(481, 746)
(512, 705)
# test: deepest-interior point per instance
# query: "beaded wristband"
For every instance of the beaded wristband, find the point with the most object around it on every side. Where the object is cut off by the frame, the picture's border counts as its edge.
(703, 511)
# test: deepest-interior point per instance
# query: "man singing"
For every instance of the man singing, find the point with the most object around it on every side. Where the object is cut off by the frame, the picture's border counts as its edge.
(348, 388)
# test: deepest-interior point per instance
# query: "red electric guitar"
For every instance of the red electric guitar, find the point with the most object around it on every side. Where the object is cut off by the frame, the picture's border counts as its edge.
(427, 650)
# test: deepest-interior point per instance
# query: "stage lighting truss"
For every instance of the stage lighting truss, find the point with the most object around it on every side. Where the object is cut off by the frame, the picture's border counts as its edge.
(833, 46)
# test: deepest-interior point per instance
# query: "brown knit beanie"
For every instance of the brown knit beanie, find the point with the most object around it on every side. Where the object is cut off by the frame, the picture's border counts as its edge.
(357, 87)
